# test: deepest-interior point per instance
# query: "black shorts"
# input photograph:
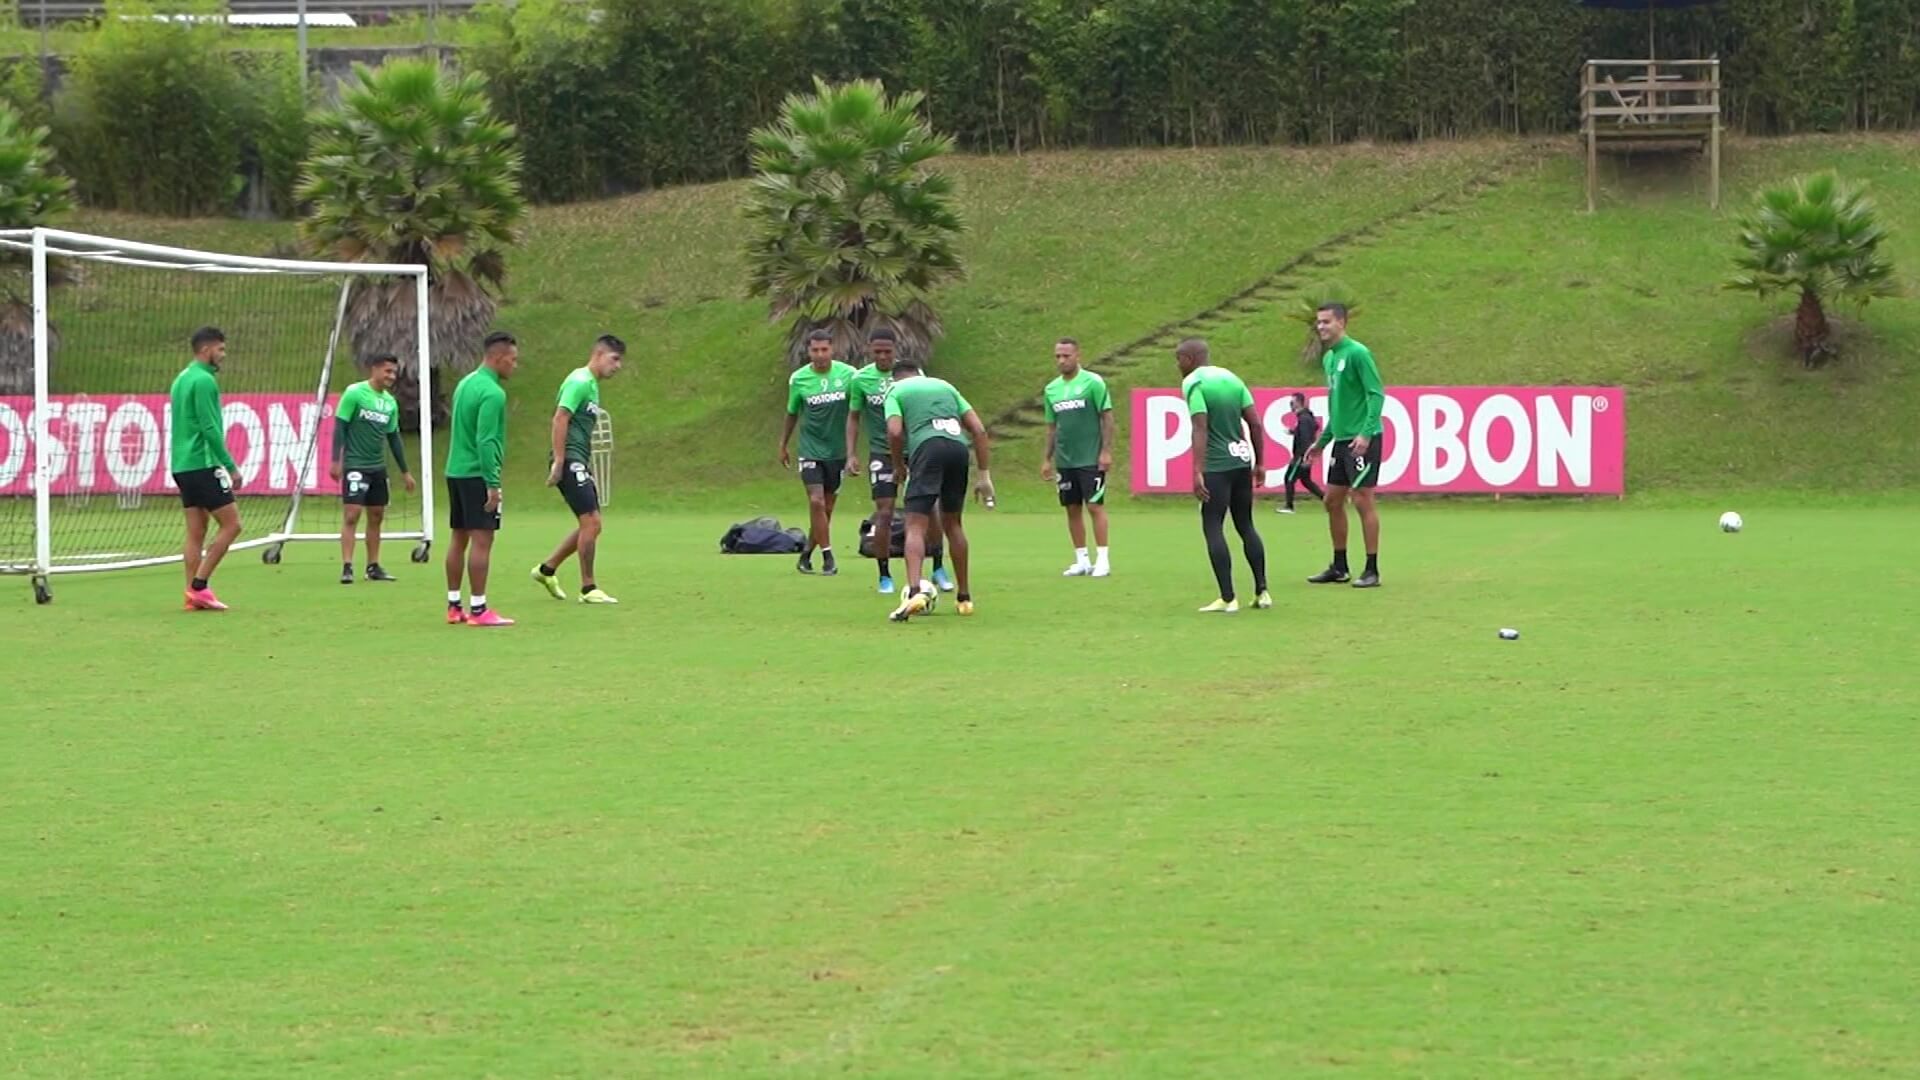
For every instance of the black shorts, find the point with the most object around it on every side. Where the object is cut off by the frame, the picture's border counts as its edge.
(204, 489)
(576, 486)
(364, 487)
(1344, 471)
(937, 475)
(824, 475)
(1077, 486)
(880, 478)
(467, 505)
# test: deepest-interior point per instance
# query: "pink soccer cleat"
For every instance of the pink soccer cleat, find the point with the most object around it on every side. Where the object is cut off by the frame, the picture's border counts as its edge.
(489, 618)
(455, 616)
(204, 600)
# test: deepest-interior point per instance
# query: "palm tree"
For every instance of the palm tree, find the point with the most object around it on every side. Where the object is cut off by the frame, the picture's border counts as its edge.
(1819, 237)
(852, 231)
(31, 193)
(413, 167)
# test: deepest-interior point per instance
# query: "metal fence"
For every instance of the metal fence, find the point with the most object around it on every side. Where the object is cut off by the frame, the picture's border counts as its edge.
(35, 13)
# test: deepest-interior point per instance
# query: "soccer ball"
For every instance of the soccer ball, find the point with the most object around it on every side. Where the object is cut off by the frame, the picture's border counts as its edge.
(1730, 522)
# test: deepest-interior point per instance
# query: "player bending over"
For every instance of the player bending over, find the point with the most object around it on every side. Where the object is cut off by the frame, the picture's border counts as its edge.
(1228, 450)
(570, 458)
(475, 453)
(929, 423)
(1079, 453)
(1355, 397)
(818, 391)
(365, 427)
(203, 470)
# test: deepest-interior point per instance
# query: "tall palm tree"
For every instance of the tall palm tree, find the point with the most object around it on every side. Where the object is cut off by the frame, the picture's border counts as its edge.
(852, 230)
(412, 166)
(31, 193)
(1820, 238)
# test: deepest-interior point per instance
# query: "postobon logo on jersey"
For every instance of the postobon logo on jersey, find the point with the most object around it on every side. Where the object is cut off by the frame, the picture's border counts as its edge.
(356, 483)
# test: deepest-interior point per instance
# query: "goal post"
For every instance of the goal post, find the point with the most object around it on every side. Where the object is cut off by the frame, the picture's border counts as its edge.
(110, 324)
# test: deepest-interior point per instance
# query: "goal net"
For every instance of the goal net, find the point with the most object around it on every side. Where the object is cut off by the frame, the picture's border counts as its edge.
(86, 482)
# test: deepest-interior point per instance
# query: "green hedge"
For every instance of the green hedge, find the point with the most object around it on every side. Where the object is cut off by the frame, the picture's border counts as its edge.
(664, 91)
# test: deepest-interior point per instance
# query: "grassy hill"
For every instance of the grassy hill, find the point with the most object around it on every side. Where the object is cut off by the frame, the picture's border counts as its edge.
(1474, 261)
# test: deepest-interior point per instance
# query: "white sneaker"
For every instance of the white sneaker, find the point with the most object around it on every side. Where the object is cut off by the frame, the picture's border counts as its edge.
(1078, 569)
(1283, 509)
(1102, 570)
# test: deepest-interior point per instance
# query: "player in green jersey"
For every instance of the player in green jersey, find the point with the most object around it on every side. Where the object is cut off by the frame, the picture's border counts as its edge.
(202, 468)
(570, 467)
(818, 391)
(870, 386)
(476, 450)
(1355, 397)
(930, 424)
(1229, 447)
(1079, 453)
(365, 427)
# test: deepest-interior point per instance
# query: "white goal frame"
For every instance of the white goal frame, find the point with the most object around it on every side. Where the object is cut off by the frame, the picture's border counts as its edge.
(61, 242)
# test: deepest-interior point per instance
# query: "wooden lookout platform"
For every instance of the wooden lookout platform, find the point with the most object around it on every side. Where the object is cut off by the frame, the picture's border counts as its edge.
(1648, 105)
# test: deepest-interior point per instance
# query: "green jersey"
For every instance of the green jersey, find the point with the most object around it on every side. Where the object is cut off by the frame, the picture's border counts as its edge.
(199, 427)
(370, 415)
(580, 396)
(928, 408)
(1075, 408)
(479, 441)
(1355, 395)
(1215, 397)
(820, 400)
(870, 386)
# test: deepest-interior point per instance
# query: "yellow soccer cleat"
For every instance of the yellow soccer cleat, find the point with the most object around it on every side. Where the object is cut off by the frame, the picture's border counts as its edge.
(596, 596)
(549, 582)
(1222, 607)
(916, 604)
(963, 607)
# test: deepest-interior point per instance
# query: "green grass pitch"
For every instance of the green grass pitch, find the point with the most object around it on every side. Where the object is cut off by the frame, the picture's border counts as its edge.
(742, 824)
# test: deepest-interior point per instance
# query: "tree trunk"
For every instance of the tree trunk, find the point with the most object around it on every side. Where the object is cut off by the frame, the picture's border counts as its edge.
(1810, 331)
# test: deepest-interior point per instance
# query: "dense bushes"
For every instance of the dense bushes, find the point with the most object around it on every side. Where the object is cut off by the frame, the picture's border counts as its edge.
(662, 91)
(165, 116)
(637, 93)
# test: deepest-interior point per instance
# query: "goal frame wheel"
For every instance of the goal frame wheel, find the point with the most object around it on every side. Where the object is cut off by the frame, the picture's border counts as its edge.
(271, 554)
(422, 551)
(42, 589)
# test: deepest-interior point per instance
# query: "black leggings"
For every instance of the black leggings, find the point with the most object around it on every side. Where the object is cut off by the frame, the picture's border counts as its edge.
(1299, 474)
(1232, 492)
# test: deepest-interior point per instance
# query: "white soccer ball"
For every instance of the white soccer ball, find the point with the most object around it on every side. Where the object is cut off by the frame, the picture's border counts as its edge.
(1730, 522)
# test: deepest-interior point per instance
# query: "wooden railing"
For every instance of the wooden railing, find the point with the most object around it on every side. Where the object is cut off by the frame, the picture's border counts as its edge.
(1650, 101)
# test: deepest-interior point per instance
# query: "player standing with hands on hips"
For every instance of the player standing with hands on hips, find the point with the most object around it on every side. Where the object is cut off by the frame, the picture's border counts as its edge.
(475, 453)
(570, 458)
(203, 469)
(365, 427)
(1355, 397)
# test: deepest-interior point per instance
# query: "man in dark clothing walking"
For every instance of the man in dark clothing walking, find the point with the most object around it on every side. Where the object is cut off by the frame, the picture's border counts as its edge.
(1306, 428)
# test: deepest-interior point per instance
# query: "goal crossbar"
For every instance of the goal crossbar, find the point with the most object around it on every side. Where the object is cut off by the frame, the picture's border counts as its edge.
(44, 243)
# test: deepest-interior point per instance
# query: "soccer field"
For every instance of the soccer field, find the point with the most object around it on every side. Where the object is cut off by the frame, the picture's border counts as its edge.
(742, 824)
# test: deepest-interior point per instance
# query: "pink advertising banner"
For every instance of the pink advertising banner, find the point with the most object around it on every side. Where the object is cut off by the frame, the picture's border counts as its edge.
(1567, 440)
(123, 442)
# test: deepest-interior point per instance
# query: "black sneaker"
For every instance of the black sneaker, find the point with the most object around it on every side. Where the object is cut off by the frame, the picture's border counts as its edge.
(346, 574)
(376, 572)
(805, 565)
(1367, 581)
(827, 566)
(1332, 575)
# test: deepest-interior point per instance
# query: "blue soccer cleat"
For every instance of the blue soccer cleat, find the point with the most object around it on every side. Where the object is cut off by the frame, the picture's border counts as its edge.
(943, 580)
(886, 586)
